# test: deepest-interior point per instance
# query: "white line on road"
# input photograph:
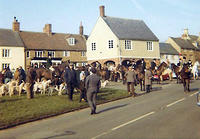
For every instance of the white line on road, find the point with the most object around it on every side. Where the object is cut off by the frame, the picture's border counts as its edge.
(194, 93)
(134, 120)
(175, 102)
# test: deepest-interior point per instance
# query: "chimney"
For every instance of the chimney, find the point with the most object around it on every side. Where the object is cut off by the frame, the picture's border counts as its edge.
(102, 11)
(16, 25)
(185, 34)
(47, 29)
(81, 29)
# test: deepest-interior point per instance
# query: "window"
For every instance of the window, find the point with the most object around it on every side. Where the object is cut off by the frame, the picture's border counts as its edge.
(5, 65)
(38, 53)
(51, 53)
(150, 46)
(93, 46)
(28, 54)
(110, 44)
(66, 53)
(71, 41)
(83, 53)
(128, 44)
(6, 53)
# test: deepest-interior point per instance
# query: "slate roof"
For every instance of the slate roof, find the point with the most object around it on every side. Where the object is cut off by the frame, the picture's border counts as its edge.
(184, 44)
(56, 41)
(10, 38)
(166, 48)
(130, 29)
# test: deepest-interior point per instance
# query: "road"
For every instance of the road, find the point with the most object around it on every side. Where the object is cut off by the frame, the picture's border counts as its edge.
(167, 113)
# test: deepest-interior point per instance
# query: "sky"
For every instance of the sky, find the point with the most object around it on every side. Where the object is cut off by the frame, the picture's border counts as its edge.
(164, 17)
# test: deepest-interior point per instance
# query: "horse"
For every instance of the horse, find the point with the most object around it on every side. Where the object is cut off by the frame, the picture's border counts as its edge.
(1, 78)
(185, 77)
(195, 70)
(160, 70)
(140, 74)
(176, 70)
(121, 69)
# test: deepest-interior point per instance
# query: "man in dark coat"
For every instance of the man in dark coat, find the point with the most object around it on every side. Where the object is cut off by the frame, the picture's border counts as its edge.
(22, 75)
(70, 80)
(49, 62)
(30, 79)
(153, 64)
(92, 85)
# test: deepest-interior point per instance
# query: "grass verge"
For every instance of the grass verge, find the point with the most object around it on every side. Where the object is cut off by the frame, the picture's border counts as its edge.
(18, 109)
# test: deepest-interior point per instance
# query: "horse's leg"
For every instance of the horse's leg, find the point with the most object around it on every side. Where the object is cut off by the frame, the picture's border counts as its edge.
(188, 84)
(140, 84)
(144, 85)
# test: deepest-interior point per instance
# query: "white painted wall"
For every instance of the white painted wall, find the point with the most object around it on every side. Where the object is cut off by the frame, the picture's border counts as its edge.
(16, 58)
(172, 58)
(100, 35)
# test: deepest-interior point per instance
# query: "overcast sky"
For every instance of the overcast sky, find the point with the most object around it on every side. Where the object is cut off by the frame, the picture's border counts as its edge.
(164, 17)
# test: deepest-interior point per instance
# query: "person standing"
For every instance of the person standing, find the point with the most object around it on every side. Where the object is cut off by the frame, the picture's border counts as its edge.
(70, 80)
(8, 75)
(22, 75)
(131, 81)
(49, 62)
(148, 76)
(92, 85)
(30, 79)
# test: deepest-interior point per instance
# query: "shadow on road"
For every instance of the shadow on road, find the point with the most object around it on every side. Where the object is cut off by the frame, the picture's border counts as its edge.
(60, 135)
(111, 108)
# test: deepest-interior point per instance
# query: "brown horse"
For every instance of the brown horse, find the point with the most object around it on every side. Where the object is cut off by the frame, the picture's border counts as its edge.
(176, 70)
(140, 74)
(160, 70)
(121, 69)
(185, 77)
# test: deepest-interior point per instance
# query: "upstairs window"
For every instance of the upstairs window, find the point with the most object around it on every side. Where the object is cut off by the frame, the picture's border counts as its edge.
(28, 54)
(83, 53)
(66, 53)
(38, 53)
(93, 46)
(6, 53)
(150, 46)
(110, 44)
(71, 41)
(128, 45)
(51, 53)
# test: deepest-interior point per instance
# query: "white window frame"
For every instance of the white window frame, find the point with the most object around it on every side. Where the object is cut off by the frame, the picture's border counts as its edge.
(52, 53)
(5, 53)
(38, 53)
(66, 53)
(149, 46)
(93, 46)
(71, 41)
(128, 45)
(83, 53)
(5, 65)
(110, 44)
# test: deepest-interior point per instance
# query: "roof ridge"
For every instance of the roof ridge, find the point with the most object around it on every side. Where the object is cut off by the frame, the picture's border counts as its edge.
(123, 18)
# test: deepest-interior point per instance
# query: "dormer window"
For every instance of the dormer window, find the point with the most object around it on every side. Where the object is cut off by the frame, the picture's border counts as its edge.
(71, 41)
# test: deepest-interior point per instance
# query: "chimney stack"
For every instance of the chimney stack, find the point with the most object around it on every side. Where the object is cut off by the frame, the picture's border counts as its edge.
(16, 25)
(47, 29)
(102, 11)
(185, 34)
(81, 29)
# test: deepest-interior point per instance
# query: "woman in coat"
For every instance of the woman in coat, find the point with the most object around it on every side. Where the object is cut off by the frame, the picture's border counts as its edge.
(148, 76)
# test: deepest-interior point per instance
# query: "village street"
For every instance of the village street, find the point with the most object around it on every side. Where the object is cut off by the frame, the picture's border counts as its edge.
(165, 113)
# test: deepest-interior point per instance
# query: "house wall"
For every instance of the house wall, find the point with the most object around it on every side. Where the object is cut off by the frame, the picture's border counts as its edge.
(172, 58)
(170, 41)
(16, 58)
(100, 35)
(139, 50)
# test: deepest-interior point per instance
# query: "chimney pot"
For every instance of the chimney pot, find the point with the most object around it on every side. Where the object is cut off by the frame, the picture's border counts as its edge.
(16, 25)
(81, 29)
(102, 11)
(47, 29)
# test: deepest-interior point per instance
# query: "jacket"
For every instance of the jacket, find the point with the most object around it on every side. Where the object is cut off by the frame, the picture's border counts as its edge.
(92, 83)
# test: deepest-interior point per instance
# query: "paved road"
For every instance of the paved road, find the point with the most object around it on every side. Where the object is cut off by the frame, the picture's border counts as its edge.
(167, 113)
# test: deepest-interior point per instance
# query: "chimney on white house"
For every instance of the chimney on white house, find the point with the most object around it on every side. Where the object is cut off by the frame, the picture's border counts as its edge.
(102, 11)
(81, 29)
(185, 34)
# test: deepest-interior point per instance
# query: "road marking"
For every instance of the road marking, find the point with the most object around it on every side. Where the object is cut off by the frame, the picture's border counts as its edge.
(194, 93)
(175, 102)
(134, 120)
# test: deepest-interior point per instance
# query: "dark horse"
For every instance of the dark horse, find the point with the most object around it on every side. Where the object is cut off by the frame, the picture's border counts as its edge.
(176, 70)
(140, 74)
(185, 77)
(160, 70)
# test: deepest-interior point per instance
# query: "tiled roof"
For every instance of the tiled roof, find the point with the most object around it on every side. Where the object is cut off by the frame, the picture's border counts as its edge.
(184, 44)
(10, 38)
(166, 48)
(130, 29)
(55, 41)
